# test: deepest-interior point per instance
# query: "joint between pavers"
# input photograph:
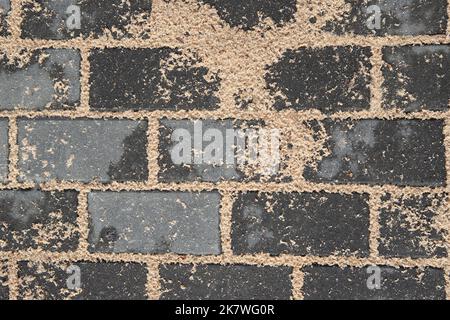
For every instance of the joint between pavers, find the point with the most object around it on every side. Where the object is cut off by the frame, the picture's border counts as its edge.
(226, 206)
(152, 149)
(13, 155)
(376, 80)
(282, 260)
(297, 284)
(153, 284)
(83, 223)
(374, 223)
(13, 281)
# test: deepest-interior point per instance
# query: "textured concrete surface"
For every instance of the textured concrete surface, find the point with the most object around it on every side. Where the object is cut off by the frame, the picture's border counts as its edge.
(82, 150)
(329, 79)
(332, 282)
(47, 78)
(311, 223)
(33, 219)
(99, 281)
(97, 96)
(401, 152)
(4, 150)
(161, 78)
(225, 282)
(47, 19)
(155, 222)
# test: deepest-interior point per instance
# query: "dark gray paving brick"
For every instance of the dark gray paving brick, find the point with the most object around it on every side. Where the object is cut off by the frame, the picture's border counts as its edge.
(150, 78)
(177, 157)
(82, 150)
(97, 280)
(32, 219)
(416, 77)
(301, 223)
(413, 226)
(398, 17)
(40, 79)
(50, 19)
(4, 150)
(155, 222)
(225, 282)
(4, 291)
(329, 79)
(349, 283)
(5, 7)
(251, 13)
(400, 152)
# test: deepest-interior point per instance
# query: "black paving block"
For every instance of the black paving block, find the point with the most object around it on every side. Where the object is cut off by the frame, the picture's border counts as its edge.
(214, 282)
(369, 151)
(329, 79)
(318, 224)
(33, 219)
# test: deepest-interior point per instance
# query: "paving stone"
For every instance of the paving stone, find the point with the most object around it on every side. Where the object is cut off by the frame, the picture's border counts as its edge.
(4, 150)
(318, 224)
(329, 79)
(209, 139)
(380, 152)
(65, 19)
(416, 77)
(4, 290)
(33, 219)
(397, 17)
(155, 222)
(81, 280)
(40, 79)
(149, 79)
(413, 226)
(5, 8)
(82, 150)
(333, 282)
(250, 14)
(225, 282)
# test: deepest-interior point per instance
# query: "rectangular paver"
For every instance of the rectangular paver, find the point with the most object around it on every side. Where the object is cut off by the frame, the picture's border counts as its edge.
(155, 222)
(40, 79)
(214, 282)
(333, 282)
(79, 280)
(83, 150)
(301, 223)
(33, 219)
(370, 151)
(65, 19)
(150, 78)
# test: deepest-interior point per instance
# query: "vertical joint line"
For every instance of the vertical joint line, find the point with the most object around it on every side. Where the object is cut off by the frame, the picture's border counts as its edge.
(226, 206)
(374, 223)
(15, 18)
(376, 79)
(85, 74)
(83, 221)
(153, 281)
(152, 149)
(13, 281)
(13, 171)
(297, 283)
